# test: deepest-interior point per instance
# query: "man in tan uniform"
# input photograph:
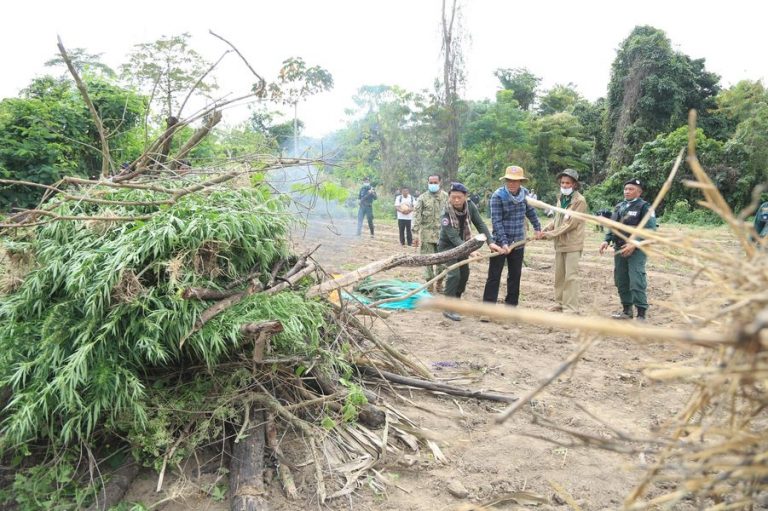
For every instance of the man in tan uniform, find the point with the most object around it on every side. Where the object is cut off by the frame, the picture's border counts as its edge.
(568, 234)
(426, 224)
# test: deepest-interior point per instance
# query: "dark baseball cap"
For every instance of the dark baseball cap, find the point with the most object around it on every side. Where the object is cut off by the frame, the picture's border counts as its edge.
(458, 187)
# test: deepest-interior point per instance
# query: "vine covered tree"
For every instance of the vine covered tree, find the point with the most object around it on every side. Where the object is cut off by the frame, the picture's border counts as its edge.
(521, 82)
(652, 87)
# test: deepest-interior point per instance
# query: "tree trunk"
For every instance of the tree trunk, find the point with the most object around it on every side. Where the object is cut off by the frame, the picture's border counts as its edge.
(399, 260)
(115, 489)
(196, 138)
(246, 477)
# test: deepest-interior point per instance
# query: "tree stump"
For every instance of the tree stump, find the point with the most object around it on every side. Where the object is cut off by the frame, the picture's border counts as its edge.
(246, 477)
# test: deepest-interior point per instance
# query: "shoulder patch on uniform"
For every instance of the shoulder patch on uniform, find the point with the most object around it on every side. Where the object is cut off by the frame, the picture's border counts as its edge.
(446, 222)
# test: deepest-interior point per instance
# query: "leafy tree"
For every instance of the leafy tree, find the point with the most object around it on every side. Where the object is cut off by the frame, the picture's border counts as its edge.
(560, 98)
(84, 63)
(393, 138)
(267, 123)
(48, 132)
(521, 82)
(560, 144)
(167, 69)
(656, 159)
(652, 87)
(496, 134)
(295, 83)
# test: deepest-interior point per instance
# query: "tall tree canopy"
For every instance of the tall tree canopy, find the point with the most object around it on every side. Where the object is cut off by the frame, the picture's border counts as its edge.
(652, 87)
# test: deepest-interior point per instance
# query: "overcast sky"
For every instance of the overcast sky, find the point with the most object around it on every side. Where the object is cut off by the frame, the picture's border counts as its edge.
(395, 42)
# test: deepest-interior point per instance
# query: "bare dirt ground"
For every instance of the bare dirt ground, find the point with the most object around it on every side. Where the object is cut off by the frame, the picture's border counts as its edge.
(489, 460)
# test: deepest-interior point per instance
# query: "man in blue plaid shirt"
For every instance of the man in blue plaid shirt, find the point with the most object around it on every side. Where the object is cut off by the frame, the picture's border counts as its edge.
(508, 212)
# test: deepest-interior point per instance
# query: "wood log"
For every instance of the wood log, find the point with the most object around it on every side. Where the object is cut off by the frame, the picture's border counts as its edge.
(246, 471)
(435, 386)
(113, 492)
(398, 260)
(197, 137)
(368, 414)
(204, 293)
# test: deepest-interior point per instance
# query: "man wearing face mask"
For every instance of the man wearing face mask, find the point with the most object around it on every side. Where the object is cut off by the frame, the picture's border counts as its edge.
(508, 213)
(426, 225)
(629, 261)
(568, 235)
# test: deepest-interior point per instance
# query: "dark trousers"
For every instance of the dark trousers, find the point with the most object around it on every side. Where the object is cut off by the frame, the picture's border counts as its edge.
(630, 279)
(404, 226)
(456, 280)
(514, 262)
(364, 211)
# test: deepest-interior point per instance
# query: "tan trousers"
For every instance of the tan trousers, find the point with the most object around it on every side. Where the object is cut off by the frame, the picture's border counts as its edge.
(567, 280)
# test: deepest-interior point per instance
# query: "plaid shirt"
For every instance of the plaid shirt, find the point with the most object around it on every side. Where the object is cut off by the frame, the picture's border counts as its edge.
(508, 218)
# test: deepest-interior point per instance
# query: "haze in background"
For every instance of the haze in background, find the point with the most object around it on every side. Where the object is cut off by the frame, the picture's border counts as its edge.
(394, 42)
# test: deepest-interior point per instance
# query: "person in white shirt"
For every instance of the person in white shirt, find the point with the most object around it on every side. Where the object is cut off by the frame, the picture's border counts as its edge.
(404, 206)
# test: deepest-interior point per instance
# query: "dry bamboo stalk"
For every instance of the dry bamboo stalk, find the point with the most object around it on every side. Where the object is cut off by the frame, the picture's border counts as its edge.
(590, 324)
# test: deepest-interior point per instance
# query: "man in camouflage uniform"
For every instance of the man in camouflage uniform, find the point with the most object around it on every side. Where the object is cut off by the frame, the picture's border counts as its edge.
(426, 224)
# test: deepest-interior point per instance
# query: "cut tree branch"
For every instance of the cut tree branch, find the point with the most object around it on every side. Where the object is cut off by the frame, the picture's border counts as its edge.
(105, 158)
(398, 260)
(435, 386)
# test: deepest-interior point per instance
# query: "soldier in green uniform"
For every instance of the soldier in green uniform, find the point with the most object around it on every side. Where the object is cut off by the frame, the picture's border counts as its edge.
(454, 231)
(761, 220)
(629, 261)
(426, 224)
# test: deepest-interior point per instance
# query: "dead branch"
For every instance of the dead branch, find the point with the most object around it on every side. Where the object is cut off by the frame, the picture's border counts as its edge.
(595, 325)
(202, 293)
(572, 359)
(197, 137)
(283, 471)
(261, 83)
(105, 158)
(434, 386)
(199, 81)
(398, 260)
(300, 263)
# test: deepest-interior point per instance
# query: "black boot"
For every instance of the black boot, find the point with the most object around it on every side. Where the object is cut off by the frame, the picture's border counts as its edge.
(641, 314)
(625, 314)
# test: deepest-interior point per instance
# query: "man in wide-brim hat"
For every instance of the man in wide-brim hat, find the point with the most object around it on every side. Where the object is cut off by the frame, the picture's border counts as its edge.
(568, 235)
(508, 213)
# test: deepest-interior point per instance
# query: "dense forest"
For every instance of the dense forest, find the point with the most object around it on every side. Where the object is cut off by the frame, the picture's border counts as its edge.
(399, 137)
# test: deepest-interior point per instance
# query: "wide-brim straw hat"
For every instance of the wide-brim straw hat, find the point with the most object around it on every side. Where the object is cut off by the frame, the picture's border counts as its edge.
(514, 173)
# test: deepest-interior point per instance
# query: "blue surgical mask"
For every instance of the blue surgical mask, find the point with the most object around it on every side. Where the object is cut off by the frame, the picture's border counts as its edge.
(433, 187)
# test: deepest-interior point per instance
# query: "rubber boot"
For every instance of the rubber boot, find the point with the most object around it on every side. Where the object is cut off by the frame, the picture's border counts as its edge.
(625, 314)
(640, 314)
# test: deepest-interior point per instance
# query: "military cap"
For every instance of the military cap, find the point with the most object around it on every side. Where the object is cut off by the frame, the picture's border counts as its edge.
(634, 181)
(458, 187)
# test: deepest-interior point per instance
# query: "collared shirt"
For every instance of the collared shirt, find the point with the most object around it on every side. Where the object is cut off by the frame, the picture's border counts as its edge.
(508, 217)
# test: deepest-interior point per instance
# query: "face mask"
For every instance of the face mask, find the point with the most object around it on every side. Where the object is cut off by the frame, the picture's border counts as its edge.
(566, 191)
(433, 187)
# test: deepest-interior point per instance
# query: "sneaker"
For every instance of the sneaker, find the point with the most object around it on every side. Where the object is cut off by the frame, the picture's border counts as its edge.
(452, 316)
(621, 315)
(556, 308)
